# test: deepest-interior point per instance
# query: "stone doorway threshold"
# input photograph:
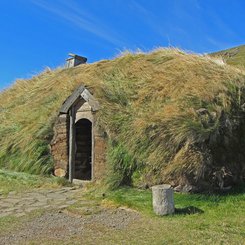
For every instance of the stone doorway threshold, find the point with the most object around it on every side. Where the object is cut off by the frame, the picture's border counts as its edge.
(81, 183)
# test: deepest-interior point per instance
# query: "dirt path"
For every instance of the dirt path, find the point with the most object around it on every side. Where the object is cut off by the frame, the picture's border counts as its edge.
(57, 224)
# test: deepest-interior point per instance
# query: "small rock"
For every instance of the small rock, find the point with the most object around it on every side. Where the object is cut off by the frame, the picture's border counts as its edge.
(178, 188)
(202, 111)
(78, 182)
(12, 193)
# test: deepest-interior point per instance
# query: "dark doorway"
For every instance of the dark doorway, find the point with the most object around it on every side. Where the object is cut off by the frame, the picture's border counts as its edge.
(83, 153)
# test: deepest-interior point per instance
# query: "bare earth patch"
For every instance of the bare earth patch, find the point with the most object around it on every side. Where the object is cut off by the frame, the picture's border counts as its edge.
(59, 226)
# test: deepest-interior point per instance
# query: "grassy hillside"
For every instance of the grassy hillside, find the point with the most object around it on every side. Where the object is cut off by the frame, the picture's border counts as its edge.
(170, 117)
(234, 56)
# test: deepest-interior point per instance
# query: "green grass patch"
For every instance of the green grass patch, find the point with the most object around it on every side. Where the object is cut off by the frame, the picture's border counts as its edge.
(19, 182)
(141, 200)
(217, 219)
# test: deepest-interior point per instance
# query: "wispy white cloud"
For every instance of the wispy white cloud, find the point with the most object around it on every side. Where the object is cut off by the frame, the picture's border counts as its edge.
(217, 44)
(162, 27)
(149, 18)
(68, 11)
(140, 8)
(215, 16)
(221, 25)
(214, 42)
(196, 4)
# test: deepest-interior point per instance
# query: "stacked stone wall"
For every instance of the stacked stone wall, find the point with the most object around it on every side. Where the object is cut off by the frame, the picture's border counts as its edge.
(60, 146)
(99, 167)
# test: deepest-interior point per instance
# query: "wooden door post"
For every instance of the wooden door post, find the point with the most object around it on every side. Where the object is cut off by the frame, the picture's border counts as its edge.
(72, 144)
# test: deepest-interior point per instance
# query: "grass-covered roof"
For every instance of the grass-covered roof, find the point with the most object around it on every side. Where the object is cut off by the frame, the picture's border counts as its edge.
(169, 116)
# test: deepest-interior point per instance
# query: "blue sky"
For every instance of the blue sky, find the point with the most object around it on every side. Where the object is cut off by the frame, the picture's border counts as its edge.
(35, 34)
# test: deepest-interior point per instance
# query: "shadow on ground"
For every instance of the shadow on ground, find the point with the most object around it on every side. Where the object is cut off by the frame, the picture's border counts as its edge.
(189, 210)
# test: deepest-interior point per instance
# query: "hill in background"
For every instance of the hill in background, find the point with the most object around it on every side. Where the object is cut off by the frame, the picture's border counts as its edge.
(170, 117)
(234, 56)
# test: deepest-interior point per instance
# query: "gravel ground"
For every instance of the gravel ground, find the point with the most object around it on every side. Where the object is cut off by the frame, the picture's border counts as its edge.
(60, 226)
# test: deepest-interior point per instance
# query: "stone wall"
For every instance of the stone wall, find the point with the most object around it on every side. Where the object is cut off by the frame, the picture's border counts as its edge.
(60, 146)
(99, 168)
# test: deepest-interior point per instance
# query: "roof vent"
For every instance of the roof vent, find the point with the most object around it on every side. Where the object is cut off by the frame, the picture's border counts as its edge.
(75, 60)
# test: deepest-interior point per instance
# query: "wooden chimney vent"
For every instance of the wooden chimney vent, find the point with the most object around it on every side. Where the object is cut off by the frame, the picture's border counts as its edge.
(75, 60)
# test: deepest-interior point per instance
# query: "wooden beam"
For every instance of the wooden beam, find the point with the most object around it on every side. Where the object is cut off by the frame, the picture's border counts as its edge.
(72, 144)
(71, 99)
(87, 96)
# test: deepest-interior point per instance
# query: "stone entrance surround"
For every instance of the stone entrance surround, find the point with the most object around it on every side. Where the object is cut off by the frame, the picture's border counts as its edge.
(79, 106)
